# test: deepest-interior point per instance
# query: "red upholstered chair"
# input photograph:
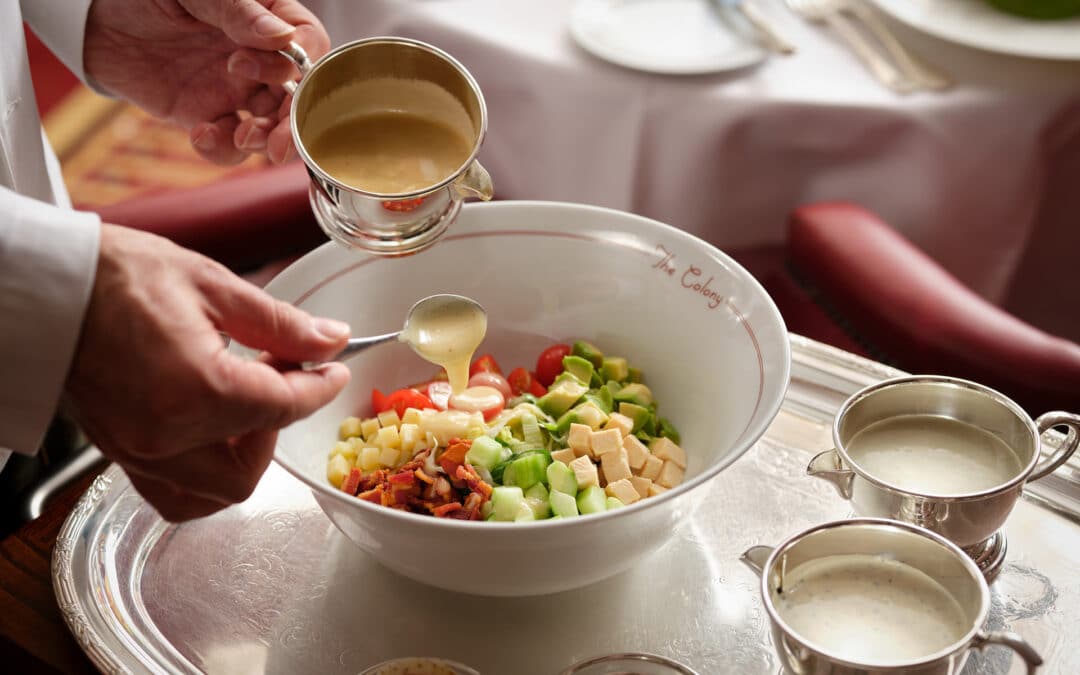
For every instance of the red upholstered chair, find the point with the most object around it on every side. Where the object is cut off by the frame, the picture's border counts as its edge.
(910, 312)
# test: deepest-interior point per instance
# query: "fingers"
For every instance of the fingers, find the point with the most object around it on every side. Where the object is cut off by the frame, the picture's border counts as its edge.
(261, 397)
(265, 67)
(251, 134)
(214, 140)
(246, 22)
(173, 504)
(279, 142)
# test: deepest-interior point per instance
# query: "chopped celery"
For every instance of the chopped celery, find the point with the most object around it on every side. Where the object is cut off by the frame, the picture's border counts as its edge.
(525, 512)
(561, 478)
(591, 500)
(487, 510)
(537, 499)
(528, 470)
(563, 504)
(506, 502)
(485, 451)
(613, 503)
(530, 431)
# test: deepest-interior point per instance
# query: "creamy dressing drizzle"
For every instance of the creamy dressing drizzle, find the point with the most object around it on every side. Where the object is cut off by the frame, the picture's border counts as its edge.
(870, 609)
(933, 455)
(447, 334)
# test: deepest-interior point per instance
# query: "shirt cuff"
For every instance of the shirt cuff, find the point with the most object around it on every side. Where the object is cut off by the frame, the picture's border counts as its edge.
(61, 25)
(48, 261)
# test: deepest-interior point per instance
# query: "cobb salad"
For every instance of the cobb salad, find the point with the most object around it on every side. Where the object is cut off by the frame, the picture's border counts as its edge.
(579, 434)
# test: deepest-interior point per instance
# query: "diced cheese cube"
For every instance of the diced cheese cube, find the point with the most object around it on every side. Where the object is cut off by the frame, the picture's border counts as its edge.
(603, 442)
(651, 468)
(410, 436)
(585, 472)
(389, 456)
(342, 448)
(388, 437)
(665, 449)
(671, 474)
(350, 427)
(411, 416)
(642, 485)
(578, 439)
(389, 418)
(621, 422)
(370, 427)
(656, 489)
(636, 452)
(623, 490)
(615, 466)
(369, 459)
(565, 456)
(337, 469)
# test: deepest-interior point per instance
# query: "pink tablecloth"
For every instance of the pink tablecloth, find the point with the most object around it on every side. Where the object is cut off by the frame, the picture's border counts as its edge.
(979, 176)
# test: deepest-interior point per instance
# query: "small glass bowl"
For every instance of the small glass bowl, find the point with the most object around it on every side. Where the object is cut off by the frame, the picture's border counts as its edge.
(629, 664)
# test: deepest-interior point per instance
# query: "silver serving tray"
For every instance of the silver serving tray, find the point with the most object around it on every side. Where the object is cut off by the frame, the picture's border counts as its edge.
(270, 586)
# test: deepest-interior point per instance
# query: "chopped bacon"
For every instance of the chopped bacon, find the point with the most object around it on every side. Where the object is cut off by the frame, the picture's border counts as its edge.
(446, 509)
(419, 473)
(454, 456)
(406, 478)
(473, 480)
(373, 495)
(352, 482)
(442, 487)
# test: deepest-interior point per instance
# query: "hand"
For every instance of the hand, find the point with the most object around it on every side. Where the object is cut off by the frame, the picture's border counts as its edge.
(153, 386)
(208, 65)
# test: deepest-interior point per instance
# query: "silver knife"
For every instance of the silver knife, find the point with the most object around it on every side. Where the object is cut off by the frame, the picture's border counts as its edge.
(769, 36)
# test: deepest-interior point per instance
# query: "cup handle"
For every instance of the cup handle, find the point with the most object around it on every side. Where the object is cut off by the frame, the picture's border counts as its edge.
(475, 182)
(1046, 422)
(1012, 641)
(755, 558)
(299, 57)
(828, 466)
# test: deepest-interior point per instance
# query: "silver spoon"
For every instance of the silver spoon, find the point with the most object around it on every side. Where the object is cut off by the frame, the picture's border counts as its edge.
(424, 309)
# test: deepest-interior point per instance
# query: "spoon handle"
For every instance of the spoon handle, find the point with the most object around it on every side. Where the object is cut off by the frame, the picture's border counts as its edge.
(355, 346)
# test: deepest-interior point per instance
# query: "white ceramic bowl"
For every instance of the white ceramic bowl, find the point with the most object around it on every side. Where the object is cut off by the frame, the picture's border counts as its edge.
(710, 341)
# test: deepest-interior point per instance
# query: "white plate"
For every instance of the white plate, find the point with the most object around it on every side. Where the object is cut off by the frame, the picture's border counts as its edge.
(675, 37)
(976, 24)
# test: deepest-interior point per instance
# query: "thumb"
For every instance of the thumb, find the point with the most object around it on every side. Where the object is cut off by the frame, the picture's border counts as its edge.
(254, 318)
(247, 22)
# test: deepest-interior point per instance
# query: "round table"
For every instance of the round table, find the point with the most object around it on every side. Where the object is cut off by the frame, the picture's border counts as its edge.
(977, 176)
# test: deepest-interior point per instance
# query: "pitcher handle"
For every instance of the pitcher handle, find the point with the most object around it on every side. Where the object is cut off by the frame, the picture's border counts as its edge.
(1048, 421)
(1012, 641)
(299, 57)
(828, 466)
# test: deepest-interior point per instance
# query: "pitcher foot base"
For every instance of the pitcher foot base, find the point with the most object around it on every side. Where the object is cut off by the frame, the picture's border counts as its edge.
(989, 555)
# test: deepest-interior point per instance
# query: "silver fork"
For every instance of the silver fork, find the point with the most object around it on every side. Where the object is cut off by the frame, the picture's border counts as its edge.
(828, 12)
(919, 71)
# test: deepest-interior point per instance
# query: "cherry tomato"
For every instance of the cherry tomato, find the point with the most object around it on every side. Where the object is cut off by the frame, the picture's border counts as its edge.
(549, 365)
(378, 401)
(485, 364)
(523, 382)
(486, 400)
(439, 392)
(493, 380)
(536, 389)
(403, 399)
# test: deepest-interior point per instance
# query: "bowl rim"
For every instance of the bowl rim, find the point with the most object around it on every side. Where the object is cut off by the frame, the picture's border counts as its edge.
(743, 443)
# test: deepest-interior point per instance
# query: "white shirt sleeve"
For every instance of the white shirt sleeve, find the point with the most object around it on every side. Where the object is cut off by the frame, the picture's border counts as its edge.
(61, 25)
(48, 260)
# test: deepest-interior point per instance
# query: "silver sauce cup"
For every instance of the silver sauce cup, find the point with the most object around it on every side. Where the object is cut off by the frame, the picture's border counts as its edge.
(385, 74)
(973, 521)
(916, 547)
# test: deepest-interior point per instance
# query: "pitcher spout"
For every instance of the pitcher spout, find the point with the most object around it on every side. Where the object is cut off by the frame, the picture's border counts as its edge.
(828, 466)
(475, 182)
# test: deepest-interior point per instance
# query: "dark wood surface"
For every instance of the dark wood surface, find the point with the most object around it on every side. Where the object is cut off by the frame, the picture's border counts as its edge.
(33, 635)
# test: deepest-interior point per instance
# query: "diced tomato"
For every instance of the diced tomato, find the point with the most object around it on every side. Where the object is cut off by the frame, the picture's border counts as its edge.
(485, 364)
(493, 380)
(378, 401)
(403, 399)
(523, 382)
(439, 394)
(486, 400)
(549, 364)
(352, 482)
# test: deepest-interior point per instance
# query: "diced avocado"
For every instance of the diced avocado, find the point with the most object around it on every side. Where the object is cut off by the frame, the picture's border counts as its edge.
(634, 374)
(528, 470)
(589, 352)
(613, 503)
(506, 502)
(579, 368)
(614, 368)
(562, 396)
(590, 414)
(561, 427)
(537, 499)
(668, 430)
(561, 478)
(592, 500)
(485, 451)
(602, 398)
(635, 393)
(563, 504)
(639, 414)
